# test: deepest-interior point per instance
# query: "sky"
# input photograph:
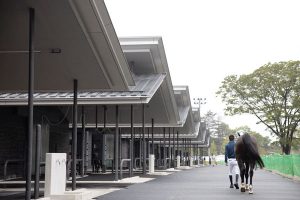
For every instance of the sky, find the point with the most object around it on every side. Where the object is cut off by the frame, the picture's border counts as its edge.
(207, 40)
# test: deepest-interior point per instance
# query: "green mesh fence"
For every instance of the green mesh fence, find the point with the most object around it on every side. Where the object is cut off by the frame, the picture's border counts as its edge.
(221, 162)
(286, 164)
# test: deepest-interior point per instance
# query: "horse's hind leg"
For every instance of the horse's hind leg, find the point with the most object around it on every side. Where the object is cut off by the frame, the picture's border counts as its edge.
(252, 165)
(242, 173)
(247, 175)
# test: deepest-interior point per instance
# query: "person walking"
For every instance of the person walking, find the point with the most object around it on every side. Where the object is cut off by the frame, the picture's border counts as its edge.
(230, 161)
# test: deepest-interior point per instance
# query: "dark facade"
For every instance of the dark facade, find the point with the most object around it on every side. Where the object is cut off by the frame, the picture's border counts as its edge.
(13, 130)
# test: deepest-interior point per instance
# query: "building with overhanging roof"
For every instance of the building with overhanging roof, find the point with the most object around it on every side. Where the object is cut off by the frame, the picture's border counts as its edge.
(75, 40)
(72, 40)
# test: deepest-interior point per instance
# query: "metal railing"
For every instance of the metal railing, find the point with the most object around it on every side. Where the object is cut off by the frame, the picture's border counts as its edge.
(6, 164)
(163, 162)
(69, 167)
(121, 166)
(112, 164)
(135, 162)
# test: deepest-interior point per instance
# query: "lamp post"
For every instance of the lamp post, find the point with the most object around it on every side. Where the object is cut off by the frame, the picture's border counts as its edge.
(199, 101)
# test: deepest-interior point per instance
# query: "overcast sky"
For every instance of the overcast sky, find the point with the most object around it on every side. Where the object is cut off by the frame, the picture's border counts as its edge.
(207, 40)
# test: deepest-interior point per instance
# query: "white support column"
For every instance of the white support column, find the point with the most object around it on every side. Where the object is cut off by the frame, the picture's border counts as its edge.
(178, 162)
(151, 163)
(55, 176)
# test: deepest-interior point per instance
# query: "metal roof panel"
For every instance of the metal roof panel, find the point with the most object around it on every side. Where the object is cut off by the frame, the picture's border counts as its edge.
(149, 84)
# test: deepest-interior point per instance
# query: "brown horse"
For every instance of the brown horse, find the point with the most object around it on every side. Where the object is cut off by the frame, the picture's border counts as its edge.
(247, 156)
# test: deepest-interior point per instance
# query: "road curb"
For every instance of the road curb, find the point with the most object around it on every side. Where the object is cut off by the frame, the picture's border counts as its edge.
(294, 178)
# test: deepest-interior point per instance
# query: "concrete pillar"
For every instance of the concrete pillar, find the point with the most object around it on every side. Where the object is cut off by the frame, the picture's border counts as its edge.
(151, 163)
(191, 161)
(178, 162)
(55, 177)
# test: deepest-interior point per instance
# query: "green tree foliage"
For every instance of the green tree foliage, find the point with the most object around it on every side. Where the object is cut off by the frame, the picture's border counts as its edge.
(296, 143)
(210, 119)
(263, 142)
(218, 130)
(271, 93)
(213, 148)
(274, 147)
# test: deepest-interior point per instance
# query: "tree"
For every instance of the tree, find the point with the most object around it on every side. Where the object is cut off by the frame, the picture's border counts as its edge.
(274, 147)
(213, 148)
(263, 142)
(271, 93)
(211, 122)
(296, 143)
(218, 130)
(223, 130)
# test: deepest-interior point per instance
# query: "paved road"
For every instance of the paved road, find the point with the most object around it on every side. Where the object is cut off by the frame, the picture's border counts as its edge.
(208, 183)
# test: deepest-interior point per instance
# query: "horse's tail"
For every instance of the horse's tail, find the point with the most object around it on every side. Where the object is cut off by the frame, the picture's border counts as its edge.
(252, 149)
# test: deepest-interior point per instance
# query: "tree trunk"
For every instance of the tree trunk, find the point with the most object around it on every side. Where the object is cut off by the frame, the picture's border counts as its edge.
(286, 149)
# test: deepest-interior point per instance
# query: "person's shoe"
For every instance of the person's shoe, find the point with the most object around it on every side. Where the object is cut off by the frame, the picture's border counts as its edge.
(231, 186)
(236, 185)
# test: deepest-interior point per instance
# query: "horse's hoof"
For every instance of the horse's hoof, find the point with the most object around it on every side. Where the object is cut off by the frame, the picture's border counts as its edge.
(250, 189)
(247, 187)
(243, 188)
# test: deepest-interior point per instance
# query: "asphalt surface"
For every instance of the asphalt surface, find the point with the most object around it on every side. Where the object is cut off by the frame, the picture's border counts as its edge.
(208, 183)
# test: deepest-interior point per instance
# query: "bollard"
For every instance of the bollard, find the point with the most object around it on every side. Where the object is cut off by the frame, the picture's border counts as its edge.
(178, 161)
(191, 161)
(151, 163)
(55, 179)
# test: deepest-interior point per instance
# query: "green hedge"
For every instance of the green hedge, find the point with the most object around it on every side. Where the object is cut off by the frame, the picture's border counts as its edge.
(286, 164)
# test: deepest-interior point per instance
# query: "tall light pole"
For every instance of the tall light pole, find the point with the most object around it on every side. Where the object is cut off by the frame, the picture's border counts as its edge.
(199, 101)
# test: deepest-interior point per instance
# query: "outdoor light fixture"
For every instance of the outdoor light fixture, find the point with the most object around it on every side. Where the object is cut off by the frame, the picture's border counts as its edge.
(55, 50)
(199, 101)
